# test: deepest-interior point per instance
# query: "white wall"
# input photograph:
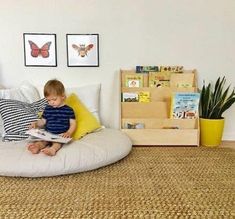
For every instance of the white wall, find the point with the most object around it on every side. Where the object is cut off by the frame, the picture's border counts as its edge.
(196, 34)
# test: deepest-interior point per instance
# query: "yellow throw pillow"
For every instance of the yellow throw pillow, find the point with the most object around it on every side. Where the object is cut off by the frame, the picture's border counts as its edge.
(86, 121)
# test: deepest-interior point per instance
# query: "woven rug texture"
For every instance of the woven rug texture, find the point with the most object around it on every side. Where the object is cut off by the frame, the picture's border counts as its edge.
(151, 182)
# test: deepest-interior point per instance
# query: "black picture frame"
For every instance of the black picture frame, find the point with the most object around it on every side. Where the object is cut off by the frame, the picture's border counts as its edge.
(82, 50)
(40, 50)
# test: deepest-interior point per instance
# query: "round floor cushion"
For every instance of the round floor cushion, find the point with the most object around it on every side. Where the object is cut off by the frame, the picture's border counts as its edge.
(91, 152)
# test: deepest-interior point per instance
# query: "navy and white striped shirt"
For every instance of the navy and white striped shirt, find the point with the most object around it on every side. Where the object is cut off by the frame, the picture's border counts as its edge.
(57, 118)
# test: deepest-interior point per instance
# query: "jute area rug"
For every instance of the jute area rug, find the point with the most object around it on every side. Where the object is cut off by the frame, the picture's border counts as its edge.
(151, 182)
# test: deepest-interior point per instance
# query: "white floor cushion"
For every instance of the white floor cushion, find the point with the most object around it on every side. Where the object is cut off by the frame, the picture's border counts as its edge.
(91, 152)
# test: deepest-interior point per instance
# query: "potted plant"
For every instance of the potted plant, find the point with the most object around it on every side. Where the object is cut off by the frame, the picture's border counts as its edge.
(214, 101)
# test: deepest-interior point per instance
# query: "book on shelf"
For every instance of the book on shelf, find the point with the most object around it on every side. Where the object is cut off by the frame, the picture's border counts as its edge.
(41, 134)
(184, 85)
(144, 96)
(130, 97)
(159, 79)
(146, 69)
(184, 105)
(134, 125)
(171, 127)
(184, 80)
(174, 69)
(134, 80)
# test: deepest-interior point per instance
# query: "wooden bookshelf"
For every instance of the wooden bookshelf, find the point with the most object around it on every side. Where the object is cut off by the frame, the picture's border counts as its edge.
(159, 128)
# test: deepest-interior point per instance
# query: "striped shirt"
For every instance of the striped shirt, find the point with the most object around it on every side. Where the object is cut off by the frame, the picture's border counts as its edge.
(57, 118)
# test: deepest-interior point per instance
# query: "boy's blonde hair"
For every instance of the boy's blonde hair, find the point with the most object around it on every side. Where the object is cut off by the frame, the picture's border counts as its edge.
(54, 87)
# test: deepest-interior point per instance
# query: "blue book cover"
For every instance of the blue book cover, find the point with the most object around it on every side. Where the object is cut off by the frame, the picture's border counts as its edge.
(185, 105)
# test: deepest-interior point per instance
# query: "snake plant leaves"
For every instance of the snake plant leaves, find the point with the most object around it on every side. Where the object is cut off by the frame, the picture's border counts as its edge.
(215, 100)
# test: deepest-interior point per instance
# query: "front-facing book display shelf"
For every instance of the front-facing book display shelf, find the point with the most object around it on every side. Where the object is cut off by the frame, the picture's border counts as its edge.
(149, 122)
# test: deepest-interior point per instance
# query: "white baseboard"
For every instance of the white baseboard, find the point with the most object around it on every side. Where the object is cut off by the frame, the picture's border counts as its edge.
(229, 136)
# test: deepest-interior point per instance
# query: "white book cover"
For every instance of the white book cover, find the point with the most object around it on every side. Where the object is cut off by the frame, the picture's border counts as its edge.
(40, 134)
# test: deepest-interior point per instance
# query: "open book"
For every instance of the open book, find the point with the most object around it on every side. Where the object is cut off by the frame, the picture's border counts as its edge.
(40, 134)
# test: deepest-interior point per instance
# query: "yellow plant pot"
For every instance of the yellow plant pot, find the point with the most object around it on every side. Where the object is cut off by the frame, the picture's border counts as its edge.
(211, 132)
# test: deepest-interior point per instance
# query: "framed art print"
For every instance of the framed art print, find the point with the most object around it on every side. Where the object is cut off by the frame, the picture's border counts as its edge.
(82, 50)
(40, 49)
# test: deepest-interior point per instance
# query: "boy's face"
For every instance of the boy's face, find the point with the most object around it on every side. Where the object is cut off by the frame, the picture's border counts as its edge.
(55, 100)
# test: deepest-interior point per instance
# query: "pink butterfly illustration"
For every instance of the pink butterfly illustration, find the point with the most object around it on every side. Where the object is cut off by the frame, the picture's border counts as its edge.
(43, 51)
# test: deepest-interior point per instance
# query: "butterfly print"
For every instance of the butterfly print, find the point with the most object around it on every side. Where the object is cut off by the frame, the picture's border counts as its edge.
(43, 51)
(82, 49)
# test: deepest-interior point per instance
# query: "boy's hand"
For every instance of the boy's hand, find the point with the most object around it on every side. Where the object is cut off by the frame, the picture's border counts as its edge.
(66, 135)
(33, 125)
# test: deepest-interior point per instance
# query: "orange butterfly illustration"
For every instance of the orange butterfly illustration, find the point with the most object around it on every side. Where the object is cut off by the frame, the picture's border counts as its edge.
(43, 51)
(82, 49)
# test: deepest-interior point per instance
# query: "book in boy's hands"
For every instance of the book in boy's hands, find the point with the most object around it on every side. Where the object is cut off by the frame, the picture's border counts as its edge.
(40, 134)
(185, 105)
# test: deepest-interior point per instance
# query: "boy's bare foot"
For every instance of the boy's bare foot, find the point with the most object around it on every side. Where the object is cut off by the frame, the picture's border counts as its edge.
(50, 151)
(34, 148)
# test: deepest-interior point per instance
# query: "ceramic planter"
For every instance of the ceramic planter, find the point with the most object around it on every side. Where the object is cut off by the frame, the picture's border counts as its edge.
(211, 132)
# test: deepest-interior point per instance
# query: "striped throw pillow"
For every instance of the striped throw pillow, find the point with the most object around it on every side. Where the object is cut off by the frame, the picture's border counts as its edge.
(17, 116)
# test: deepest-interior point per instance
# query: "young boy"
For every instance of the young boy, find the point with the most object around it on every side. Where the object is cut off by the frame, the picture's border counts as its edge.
(57, 118)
